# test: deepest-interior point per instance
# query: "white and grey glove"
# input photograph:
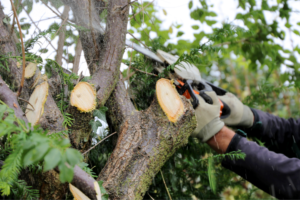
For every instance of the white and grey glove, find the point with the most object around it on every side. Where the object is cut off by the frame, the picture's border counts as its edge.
(208, 118)
(240, 114)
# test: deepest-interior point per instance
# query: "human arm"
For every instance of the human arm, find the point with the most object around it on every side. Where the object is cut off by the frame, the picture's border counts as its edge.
(274, 173)
(278, 134)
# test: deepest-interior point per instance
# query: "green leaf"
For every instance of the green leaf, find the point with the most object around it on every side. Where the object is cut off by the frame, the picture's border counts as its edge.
(195, 27)
(165, 12)
(190, 4)
(73, 156)
(210, 22)
(95, 125)
(5, 21)
(35, 154)
(171, 30)
(104, 194)
(296, 32)
(100, 113)
(211, 174)
(180, 33)
(288, 25)
(52, 159)
(66, 174)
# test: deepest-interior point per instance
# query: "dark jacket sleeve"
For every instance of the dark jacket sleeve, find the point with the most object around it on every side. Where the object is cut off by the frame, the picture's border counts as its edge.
(277, 134)
(274, 173)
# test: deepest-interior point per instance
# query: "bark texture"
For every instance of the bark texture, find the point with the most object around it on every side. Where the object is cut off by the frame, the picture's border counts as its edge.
(10, 98)
(86, 13)
(61, 37)
(119, 105)
(146, 141)
(77, 56)
(11, 72)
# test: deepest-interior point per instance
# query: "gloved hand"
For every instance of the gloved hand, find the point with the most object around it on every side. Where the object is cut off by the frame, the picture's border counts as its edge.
(208, 118)
(240, 114)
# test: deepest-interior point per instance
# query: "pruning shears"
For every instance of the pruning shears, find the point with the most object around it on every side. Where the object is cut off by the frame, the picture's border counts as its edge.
(188, 82)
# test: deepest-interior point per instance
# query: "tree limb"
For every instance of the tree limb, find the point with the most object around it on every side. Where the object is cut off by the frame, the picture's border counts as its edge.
(10, 98)
(23, 50)
(119, 106)
(147, 139)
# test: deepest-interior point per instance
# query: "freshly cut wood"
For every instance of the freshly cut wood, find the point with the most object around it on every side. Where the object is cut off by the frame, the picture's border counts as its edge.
(169, 99)
(37, 101)
(30, 70)
(40, 78)
(98, 191)
(83, 97)
(78, 195)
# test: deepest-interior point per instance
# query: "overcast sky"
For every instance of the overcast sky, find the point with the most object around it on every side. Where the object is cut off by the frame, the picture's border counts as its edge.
(177, 13)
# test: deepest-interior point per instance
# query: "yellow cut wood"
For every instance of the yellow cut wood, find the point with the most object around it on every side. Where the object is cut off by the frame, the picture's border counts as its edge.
(83, 97)
(169, 99)
(30, 70)
(98, 191)
(37, 101)
(78, 195)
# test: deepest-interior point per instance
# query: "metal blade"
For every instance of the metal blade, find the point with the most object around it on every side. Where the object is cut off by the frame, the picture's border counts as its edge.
(144, 51)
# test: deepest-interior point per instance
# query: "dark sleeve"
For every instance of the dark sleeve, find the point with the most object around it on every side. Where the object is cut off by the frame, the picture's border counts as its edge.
(277, 134)
(273, 173)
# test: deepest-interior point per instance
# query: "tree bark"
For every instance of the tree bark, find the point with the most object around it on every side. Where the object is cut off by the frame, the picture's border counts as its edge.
(86, 13)
(146, 141)
(62, 37)
(105, 79)
(10, 98)
(12, 74)
(78, 51)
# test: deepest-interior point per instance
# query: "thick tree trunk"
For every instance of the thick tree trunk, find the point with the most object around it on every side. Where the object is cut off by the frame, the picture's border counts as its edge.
(86, 13)
(147, 139)
(104, 80)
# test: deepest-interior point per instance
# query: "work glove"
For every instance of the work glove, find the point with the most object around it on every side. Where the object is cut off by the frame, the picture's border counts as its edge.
(240, 115)
(208, 118)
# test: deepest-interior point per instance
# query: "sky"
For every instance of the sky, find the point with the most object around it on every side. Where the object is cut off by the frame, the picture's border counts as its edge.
(177, 13)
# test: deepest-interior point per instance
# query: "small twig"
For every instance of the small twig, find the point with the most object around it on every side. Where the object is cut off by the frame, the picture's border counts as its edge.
(138, 40)
(23, 49)
(38, 29)
(62, 24)
(26, 102)
(99, 143)
(143, 71)
(141, 10)
(71, 22)
(150, 196)
(165, 184)
(128, 4)
(45, 19)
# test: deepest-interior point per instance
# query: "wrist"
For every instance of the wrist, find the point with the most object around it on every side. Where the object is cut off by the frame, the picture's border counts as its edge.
(221, 140)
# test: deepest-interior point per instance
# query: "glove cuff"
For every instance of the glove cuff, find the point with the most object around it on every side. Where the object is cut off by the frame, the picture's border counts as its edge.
(247, 118)
(211, 129)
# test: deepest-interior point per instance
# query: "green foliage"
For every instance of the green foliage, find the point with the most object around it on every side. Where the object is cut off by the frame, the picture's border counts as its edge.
(104, 194)
(31, 146)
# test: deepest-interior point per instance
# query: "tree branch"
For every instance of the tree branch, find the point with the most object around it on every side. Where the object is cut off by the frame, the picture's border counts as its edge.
(147, 139)
(119, 106)
(10, 98)
(23, 50)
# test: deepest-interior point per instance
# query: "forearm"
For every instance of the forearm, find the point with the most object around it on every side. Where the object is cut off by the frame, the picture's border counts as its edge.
(278, 134)
(274, 173)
